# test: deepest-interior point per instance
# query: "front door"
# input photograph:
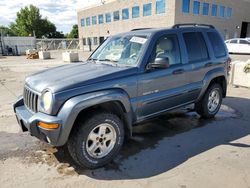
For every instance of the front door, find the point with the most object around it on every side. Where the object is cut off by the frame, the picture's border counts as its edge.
(162, 89)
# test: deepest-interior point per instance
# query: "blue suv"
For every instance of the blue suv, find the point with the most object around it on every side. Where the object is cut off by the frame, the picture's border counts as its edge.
(130, 78)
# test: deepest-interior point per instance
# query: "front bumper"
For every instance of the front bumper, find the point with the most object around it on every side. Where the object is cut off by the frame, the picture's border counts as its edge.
(28, 122)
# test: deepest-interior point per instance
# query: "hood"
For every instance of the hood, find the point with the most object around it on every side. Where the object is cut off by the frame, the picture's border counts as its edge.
(75, 75)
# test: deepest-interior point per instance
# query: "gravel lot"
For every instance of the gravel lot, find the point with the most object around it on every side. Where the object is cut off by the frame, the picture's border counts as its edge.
(175, 150)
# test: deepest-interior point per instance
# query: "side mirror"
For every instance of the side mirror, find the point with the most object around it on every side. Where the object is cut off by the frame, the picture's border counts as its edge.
(159, 63)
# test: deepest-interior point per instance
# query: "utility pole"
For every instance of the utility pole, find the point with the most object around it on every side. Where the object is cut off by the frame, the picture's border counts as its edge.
(1, 42)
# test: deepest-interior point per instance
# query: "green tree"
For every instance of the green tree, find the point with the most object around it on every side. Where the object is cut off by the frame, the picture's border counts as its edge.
(73, 33)
(30, 21)
(6, 31)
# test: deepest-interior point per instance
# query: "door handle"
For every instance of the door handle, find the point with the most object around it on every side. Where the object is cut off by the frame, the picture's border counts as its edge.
(208, 64)
(178, 71)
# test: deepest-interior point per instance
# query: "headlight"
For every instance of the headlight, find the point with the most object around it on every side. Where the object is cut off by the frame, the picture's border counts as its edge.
(46, 101)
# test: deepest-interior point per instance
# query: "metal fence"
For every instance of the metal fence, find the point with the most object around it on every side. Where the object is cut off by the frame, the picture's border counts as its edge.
(57, 44)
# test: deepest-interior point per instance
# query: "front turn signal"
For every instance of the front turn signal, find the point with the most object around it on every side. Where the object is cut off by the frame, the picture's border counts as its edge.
(48, 125)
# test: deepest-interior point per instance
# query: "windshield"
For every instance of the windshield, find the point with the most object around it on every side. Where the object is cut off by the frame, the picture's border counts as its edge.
(121, 50)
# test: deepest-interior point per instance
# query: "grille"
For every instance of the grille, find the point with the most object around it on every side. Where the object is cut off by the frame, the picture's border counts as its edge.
(30, 99)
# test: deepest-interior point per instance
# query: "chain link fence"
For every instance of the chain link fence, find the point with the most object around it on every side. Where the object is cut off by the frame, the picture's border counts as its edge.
(57, 44)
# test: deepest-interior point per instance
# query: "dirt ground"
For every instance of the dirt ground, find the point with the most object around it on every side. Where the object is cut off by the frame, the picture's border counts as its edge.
(175, 150)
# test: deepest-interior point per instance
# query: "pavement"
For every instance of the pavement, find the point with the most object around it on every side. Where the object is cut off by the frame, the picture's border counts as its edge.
(174, 150)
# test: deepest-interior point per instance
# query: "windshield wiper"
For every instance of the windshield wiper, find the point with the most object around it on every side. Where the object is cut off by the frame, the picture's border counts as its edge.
(92, 59)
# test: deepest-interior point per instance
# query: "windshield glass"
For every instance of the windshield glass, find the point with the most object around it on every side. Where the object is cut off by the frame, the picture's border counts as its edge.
(121, 50)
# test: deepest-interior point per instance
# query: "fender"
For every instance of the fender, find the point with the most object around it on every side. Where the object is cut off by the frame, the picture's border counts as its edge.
(75, 105)
(217, 72)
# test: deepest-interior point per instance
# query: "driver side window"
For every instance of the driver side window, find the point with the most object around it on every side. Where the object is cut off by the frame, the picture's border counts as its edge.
(167, 46)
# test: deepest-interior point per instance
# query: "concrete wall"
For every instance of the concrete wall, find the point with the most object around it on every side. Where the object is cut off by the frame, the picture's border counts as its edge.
(21, 43)
(227, 26)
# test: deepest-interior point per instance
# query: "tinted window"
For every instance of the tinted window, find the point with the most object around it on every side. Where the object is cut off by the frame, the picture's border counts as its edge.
(82, 22)
(168, 47)
(135, 12)
(244, 42)
(108, 17)
(205, 9)
(95, 41)
(93, 20)
(116, 16)
(88, 21)
(222, 11)
(196, 7)
(160, 6)
(229, 12)
(217, 44)
(125, 14)
(196, 46)
(84, 41)
(147, 9)
(234, 41)
(214, 10)
(100, 19)
(185, 6)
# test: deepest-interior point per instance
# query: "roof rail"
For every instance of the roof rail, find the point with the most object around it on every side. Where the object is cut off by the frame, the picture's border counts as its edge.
(192, 24)
(138, 29)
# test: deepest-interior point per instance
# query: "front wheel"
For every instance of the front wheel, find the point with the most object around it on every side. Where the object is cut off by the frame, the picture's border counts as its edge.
(210, 104)
(96, 141)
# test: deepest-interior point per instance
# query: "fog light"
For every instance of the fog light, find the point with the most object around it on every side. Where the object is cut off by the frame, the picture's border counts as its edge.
(48, 125)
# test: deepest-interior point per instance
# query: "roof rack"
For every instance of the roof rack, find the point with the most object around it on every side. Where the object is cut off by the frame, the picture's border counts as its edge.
(192, 24)
(138, 29)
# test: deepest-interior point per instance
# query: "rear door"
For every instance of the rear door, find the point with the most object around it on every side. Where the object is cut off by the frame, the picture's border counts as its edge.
(244, 46)
(198, 59)
(233, 46)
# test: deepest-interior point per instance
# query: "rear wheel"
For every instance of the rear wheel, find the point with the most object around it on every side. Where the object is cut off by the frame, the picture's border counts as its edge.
(96, 141)
(210, 104)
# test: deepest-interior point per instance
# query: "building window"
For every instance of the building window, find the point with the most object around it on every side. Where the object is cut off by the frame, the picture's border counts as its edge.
(125, 14)
(222, 11)
(89, 41)
(82, 22)
(205, 9)
(84, 41)
(94, 20)
(88, 21)
(196, 7)
(108, 17)
(116, 16)
(160, 6)
(95, 41)
(229, 12)
(135, 12)
(100, 19)
(147, 9)
(185, 6)
(214, 10)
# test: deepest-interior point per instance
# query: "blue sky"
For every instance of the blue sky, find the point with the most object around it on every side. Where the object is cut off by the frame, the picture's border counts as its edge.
(63, 13)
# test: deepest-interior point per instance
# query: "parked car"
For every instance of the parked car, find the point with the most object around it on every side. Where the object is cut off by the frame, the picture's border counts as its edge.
(129, 79)
(238, 45)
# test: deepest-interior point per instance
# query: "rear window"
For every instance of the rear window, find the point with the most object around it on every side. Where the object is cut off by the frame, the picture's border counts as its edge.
(234, 41)
(217, 44)
(196, 46)
(244, 42)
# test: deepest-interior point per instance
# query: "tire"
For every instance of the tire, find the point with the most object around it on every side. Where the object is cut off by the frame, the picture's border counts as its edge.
(202, 106)
(82, 143)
